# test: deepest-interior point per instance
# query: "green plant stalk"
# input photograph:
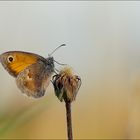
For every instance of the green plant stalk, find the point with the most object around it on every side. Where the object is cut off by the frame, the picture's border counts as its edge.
(69, 120)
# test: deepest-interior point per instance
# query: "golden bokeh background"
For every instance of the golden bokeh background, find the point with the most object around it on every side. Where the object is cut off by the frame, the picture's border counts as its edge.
(103, 47)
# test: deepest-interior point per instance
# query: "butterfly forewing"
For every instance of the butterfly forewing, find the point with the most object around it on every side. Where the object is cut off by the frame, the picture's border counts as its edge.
(20, 61)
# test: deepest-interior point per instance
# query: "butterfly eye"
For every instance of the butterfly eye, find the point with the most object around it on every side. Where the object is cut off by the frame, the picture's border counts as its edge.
(10, 59)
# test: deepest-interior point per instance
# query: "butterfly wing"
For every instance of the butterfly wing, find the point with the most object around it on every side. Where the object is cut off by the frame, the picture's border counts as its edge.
(34, 80)
(15, 61)
(32, 72)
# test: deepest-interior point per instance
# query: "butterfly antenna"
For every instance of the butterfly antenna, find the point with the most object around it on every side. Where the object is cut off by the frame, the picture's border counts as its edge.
(57, 49)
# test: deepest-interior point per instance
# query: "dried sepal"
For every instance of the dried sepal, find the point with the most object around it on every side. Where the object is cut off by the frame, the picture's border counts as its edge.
(66, 85)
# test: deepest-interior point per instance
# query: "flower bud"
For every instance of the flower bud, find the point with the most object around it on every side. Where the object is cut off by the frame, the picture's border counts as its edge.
(66, 85)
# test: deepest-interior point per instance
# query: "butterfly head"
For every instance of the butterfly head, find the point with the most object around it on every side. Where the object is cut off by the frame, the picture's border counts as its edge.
(50, 64)
(50, 59)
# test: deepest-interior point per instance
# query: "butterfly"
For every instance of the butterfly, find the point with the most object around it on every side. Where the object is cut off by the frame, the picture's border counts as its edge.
(32, 71)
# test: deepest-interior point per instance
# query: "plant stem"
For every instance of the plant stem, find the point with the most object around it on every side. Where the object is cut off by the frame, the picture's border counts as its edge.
(69, 120)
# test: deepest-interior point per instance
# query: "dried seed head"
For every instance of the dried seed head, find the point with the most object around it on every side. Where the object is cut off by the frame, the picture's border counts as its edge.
(66, 85)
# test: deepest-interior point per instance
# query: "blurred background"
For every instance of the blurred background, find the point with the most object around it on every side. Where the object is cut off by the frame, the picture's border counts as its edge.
(103, 47)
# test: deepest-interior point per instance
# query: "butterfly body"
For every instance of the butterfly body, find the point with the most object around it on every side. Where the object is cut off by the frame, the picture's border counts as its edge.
(32, 71)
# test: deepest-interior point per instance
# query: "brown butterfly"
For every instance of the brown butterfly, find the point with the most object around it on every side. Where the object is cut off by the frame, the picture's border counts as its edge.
(32, 72)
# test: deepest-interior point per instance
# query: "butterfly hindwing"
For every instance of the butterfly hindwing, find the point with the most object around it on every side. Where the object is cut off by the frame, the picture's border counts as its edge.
(34, 80)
